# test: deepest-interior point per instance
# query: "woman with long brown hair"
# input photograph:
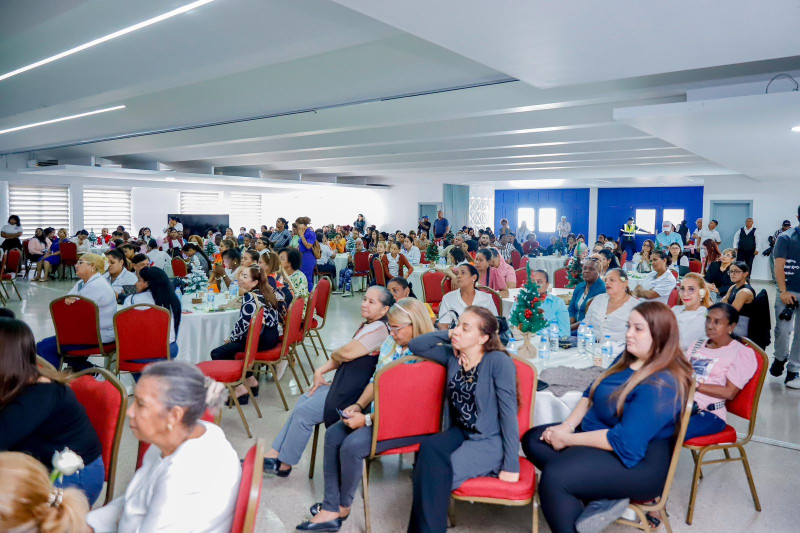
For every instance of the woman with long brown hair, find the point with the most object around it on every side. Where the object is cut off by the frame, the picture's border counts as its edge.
(483, 437)
(616, 443)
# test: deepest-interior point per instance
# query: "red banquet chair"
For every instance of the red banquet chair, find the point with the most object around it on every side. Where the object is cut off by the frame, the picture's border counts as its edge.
(623, 258)
(673, 298)
(244, 517)
(77, 328)
(8, 271)
(308, 320)
(360, 268)
(491, 489)
(134, 350)
(675, 273)
(377, 268)
(516, 259)
(179, 267)
(447, 286)
(498, 301)
(398, 385)
(524, 261)
(522, 277)
(69, 256)
(695, 266)
(744, 405)
(105, 403)
(284, 351)
(560, 278)
(321, 310)
(232, 372)
(432, 289)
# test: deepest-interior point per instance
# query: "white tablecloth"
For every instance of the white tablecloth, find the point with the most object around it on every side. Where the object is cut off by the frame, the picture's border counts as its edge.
(547, 263)
(340, 262)
(99, 250)
(202, 331)
(508, 301)
(635, 279)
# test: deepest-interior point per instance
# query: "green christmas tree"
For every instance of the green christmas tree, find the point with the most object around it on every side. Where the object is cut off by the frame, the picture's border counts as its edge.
(432, 252)
(574, 272)
(528, 314)
(196, 282)
(210, 249)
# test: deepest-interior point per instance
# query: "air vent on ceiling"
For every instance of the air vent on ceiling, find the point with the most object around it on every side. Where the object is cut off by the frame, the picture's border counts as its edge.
(48, 163)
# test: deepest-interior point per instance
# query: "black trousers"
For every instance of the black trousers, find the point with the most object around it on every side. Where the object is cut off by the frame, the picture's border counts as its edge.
(747, 256)
(268, 340)
(433, 481)
(581, 474)
(630, 246)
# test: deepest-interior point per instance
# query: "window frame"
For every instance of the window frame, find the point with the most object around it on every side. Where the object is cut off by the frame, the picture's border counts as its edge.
(22, 196)
(118, 198)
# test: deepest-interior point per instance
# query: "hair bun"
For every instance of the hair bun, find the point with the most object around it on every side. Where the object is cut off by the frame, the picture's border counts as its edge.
(216, 393)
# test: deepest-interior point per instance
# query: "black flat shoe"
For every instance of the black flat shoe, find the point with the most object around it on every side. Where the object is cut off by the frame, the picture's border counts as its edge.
(273, 466)
(317, 507)
(330, 525)
(244, 399)
(254, 390)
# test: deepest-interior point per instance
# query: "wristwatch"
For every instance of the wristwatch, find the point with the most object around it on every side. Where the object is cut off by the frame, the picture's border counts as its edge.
(368, 420)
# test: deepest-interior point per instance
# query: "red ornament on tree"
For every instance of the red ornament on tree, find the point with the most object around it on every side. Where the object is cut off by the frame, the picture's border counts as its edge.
(528, 313)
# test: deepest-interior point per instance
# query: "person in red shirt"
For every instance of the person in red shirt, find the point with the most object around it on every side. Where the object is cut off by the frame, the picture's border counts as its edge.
(105, 236)
(531, 245)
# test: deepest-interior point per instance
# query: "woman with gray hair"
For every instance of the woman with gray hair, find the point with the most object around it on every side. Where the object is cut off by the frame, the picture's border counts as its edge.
(190, 476)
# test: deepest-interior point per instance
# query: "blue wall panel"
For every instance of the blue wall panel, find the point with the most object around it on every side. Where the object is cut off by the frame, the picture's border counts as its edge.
(572, 203)
(615, 205)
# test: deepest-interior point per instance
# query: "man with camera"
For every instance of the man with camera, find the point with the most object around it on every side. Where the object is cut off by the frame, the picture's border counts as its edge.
(787, 275)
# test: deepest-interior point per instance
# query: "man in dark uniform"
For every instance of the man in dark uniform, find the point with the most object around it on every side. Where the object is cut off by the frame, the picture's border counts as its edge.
(745, 243)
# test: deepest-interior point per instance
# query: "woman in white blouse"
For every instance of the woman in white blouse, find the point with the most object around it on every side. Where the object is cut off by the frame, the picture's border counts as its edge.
(190, 476)
(691, 314)
(82, 240)
(677, 259)
(411, 252)
(454, 302)
(608, 313)
(117, 275)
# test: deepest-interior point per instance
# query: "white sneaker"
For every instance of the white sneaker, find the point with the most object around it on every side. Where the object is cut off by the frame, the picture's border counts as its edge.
(280, 368)
(794, 384)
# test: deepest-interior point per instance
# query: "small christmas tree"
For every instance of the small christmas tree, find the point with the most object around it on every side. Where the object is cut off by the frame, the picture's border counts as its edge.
(528, 314)
(92, 237)
(211, 249)
(574, 272)
(432, 253)
(196, 282)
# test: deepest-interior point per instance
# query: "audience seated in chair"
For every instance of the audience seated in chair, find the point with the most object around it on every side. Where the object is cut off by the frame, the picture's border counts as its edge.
(587, 289)
(608, 313)
(691, 313)
(153, 287)
(455, 302)
(555, 310)
(660, 282)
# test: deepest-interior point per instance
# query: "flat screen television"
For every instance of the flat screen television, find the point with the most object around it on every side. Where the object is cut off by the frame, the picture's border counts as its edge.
(200, 224)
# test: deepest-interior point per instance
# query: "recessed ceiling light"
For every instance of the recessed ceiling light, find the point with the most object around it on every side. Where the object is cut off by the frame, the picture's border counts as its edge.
(796, 128)
(62, 119)
(169, 179)
(100, 40)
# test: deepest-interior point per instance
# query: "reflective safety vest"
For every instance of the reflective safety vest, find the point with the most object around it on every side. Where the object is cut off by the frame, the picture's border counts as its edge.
(629, 231)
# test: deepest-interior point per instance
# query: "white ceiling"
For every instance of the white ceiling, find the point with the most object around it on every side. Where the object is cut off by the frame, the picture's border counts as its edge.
(319, 74)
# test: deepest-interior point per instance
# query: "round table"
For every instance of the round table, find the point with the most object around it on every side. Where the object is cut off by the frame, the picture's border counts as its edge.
(635, 279)
(99, 250)
(548, 263)
(202, 330)
(340, 262)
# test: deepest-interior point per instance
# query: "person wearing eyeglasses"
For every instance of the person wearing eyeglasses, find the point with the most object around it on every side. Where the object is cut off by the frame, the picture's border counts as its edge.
(741, 295)
(91, 285)
(608, 314)
(349, 441)
(659, 283)
(695, 299)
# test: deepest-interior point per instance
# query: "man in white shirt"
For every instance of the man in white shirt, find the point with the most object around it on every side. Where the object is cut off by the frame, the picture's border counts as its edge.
(746, 244)
(564, 228)
(158, 258)
(700, 235)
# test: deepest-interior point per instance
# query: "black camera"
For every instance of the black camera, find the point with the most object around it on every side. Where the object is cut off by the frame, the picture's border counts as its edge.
(786, 314)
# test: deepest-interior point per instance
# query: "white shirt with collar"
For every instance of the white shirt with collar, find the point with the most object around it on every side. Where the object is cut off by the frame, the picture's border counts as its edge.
(125, 277)
(146, 297)
(453, 301)
(662, 284)
(160, 259)
(746, 232)
(413, 255)
(84, 248)
(101, 293)
(193, 490)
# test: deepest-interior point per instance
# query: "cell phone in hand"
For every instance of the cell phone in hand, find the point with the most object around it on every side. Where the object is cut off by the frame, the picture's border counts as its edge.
(342, 413)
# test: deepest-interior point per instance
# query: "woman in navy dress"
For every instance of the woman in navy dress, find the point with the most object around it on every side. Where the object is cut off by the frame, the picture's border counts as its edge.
(308, 239)
(52, 259)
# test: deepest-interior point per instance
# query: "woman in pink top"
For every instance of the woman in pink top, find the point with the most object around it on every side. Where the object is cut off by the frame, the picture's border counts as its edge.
(722, 367)
(506, 270)
(38, 245)
(488, 276)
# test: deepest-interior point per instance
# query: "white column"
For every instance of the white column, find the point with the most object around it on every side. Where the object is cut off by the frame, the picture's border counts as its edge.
(592, 217)
(4, 214)
(75, 208)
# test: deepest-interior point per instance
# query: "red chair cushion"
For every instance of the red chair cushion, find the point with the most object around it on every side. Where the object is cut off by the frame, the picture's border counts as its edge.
(727, 435)
(271, 355)
(222, 371)
(492, 487)
(108, 347)
(435, 307)
(9, 276)
(411, 448)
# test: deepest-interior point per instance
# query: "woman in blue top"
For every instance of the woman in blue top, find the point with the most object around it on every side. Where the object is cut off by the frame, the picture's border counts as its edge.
(617, 442)
(306, 246)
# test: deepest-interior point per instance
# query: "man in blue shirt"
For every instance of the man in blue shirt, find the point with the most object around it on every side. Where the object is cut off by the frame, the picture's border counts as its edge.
(667, 236)
(440, 226)
(555, 310)
(587, 289)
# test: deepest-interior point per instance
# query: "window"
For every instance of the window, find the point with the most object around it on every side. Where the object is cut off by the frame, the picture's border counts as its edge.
(547, 220)
(673, 215)
(106, 208)
(528, 215)
(39, 207)
(646, 220)
(245, 210)
(201, 203)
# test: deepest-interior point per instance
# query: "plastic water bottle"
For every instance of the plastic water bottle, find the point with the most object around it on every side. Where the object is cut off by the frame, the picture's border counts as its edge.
(233, 290)
(211, 297)
(607, 350)
(588, 340)
(554, 337)
(513, 346)
(582, 338)
(544, 350)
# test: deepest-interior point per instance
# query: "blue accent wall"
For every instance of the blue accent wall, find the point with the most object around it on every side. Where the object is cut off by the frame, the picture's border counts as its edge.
(615, 205)
(572, 203)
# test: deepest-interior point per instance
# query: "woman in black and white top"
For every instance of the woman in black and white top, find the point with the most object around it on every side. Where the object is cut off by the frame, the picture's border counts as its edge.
(153, 287)
(255, 291)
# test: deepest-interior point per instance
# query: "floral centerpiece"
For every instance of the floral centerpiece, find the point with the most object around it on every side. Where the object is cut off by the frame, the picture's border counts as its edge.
(528, 315)
(574, 272)
(196, 284)
(432, 252)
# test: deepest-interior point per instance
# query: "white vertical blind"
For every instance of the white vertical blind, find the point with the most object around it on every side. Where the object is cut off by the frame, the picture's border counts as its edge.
(106, 208)
(245, 210)
(201, 203)
(39, 207)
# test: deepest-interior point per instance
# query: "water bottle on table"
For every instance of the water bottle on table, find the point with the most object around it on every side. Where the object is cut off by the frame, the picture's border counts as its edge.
(211, 297)
(544, 349)
(233, 290)
(588, 341)
(582, 338)
(606, 351)
(554, 337)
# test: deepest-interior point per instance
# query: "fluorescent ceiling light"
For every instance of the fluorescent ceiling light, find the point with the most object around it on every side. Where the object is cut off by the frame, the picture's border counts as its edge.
(62, 119)
(796, 128)
(169, 179)
(525, 184)
(110, 36)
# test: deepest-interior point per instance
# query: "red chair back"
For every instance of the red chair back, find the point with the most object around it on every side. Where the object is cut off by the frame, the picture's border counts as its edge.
(361, 262)
(377, 267)
(524, 261)
(623, 258)
(11, 261)
(105, 403)
(746, 402)
(244, 517)
(131, 344)
(522, 276)
(432, 286)
(69, 252)
(673, 298)
(447, 286)
(560, 278)
(516, 259)
(399, 385)
(78, 323)
(526, 395)
(179, 267)
(253, 336)
(695, 266)
(498, 302)
(295, 326)
(323, 299)
(294, 322)
(312, 305)
(674, 273)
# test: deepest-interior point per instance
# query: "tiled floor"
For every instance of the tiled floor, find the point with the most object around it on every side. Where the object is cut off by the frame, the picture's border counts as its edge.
(723, 503)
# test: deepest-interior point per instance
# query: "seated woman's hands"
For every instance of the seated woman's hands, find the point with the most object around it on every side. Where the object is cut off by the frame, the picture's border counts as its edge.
(557, 436)
(508, 477)
(356, 418)
(219, 270)
(319, 381)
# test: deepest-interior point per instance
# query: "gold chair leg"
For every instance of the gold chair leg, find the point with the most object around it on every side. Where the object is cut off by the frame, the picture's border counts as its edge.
(313, 452)
(322, 344)
(278, 384)
(365, 493)
(535, 507)
(694, 457)
(239, 408)
(308, 357)
(727, 453)
(15, 290)
(695, 483)
(749, 475)
(294, 373)
(296, 357)
(253, 399)
(451, 513)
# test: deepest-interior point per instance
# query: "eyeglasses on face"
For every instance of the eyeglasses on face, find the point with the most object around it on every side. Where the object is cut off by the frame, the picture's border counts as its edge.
(396, 329)
(732, 271)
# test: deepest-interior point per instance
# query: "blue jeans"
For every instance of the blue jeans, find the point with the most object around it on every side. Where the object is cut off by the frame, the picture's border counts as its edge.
(89, 480)
(704, 423)
(344, 279)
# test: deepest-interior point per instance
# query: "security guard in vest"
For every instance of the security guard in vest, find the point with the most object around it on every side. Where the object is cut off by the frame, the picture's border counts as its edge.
(629, 231)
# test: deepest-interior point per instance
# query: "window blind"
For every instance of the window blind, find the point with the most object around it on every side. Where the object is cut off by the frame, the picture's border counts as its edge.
(245, 210)
(39, 207)
(106, 208)
(200, 203)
